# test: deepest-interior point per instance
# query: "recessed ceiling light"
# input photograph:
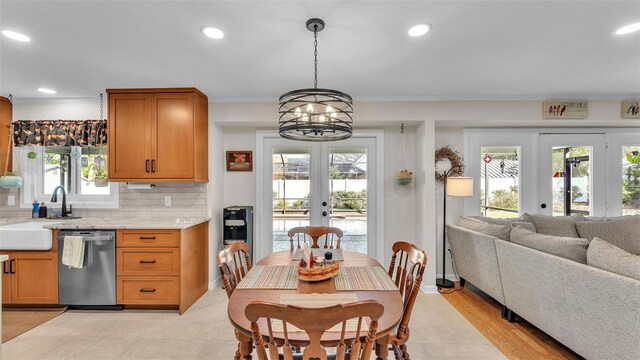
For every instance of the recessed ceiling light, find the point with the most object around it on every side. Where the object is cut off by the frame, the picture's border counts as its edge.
(46, 91)
(16, 36)
(628, 29)
(212, 32)
(419, 30)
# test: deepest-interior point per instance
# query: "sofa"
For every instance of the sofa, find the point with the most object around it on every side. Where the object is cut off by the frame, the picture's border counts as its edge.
(575, 278)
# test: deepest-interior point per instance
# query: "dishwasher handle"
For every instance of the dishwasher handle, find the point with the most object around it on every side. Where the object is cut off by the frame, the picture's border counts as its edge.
(92, 238)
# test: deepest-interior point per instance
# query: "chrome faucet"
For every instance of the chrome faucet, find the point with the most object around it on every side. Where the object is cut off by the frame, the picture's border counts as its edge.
(54, 198)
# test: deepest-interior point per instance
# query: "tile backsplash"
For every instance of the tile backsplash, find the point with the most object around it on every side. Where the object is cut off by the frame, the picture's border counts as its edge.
(187, 200)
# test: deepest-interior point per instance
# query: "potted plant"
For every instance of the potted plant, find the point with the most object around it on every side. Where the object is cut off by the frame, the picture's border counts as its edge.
(99, 172)
(404, 177)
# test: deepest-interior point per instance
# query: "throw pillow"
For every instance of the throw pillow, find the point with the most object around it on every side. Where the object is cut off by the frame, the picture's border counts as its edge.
(523, 224)
(495, 221)
(567, 247)
(500, 231)
(631, 227)
(605, 256)
(610, 231)
(554, 225)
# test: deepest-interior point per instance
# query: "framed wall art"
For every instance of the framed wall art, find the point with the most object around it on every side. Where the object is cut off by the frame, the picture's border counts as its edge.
(239, 160)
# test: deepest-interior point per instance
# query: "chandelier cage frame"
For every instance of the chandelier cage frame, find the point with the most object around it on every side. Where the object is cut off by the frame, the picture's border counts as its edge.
(315, 114)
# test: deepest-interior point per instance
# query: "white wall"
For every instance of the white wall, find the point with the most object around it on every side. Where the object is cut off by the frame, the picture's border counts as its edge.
(239, 186)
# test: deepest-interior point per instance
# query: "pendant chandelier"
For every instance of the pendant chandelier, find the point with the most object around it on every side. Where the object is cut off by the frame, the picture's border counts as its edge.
(316, 114)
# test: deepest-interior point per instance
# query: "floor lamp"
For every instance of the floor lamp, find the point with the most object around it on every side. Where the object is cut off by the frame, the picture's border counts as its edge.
(453, 186)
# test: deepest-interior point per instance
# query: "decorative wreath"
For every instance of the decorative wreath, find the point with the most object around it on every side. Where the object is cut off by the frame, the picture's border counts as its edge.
(446, 152)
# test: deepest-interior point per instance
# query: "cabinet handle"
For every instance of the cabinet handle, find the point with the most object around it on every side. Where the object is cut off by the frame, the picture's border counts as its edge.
(147, 290)
(147, 261)
(11, 262)
(4, 267)
(146, 166)
(147, 237)
(153, 165)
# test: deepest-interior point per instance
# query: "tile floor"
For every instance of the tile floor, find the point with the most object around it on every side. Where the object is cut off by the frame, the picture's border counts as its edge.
(438, 331)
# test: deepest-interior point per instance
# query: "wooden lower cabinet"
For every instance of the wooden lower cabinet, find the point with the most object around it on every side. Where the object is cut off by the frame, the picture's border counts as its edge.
(30, 278)
(162, 267)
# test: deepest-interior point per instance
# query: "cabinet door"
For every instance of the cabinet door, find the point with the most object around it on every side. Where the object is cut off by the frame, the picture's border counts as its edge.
(6, 282)
(173, 136)
(130, 122)
(35, 278)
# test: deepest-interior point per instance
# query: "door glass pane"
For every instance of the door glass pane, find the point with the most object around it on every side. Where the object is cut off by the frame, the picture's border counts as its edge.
(290, 194)
(348, 196)
(631, 180)
(571, 180)
(500, 183)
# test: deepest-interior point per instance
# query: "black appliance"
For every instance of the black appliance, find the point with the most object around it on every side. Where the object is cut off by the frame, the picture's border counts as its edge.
(238, 225)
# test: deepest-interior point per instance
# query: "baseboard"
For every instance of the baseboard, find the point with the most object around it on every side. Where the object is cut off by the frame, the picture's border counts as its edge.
(451, 277)
(215, 283)
(429, 289)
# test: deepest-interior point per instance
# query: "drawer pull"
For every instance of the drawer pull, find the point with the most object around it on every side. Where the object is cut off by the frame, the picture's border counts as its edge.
(147, 261)
(147, 290)
(147, 237)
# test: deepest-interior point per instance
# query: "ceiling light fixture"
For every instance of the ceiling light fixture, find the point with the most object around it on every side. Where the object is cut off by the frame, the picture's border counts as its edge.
(316, 114)
(628, 29)
(16, 36)
(46, 91)
(212, 32)
(419, 30)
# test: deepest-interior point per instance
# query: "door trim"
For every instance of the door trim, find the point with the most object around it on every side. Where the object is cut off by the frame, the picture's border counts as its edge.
(262, 246)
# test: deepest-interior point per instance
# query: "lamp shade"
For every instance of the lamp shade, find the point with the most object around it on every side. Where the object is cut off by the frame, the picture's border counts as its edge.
(460, 186)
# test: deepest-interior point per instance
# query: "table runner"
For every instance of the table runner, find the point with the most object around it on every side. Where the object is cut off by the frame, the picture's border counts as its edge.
(319, 300)
(337, 254)
(363, 278)
(270, 277)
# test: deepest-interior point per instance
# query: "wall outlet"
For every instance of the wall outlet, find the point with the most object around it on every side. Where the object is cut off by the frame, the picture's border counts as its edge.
(167, 201)
(11, 200)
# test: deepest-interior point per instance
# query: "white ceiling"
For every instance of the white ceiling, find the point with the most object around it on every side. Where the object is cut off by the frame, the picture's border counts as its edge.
(476, 50)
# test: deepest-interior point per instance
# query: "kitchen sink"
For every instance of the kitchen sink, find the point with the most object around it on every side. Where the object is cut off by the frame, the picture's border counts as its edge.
(26, 236)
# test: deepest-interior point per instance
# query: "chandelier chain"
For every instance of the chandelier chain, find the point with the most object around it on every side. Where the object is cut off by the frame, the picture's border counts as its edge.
(101, 107)
(315, 55)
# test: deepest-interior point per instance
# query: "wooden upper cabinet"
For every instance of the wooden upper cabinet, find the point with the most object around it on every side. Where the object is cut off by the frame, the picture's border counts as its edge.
(130, 136)
(158, 135)
(5, 130)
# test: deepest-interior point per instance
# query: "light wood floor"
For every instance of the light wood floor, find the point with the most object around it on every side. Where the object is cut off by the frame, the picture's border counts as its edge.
(519, 340)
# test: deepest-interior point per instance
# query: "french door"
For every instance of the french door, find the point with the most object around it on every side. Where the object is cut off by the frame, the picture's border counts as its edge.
(319, 184)
(572, 177)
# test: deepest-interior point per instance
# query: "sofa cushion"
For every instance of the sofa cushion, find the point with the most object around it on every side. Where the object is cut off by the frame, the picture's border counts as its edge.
(523, 224)
(608, 230)
(495, 221)
(554, 225)
(567, 247)
(631, 228)
(605, 256)
(500, 231)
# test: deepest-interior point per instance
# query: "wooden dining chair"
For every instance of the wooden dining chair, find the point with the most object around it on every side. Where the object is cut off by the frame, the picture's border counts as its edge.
(407, 266)
(314, 322)
(234, 264)
(332, 236)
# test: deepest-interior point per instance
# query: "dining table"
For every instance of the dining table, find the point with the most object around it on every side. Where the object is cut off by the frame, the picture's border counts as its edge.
(390, 299)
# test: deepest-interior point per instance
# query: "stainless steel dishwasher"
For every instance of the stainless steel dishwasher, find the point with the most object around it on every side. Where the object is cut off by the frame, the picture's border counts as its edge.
(95, 283)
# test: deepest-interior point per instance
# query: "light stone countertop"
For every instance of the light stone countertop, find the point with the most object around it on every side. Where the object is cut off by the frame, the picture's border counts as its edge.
(114, 223)
(4, 258)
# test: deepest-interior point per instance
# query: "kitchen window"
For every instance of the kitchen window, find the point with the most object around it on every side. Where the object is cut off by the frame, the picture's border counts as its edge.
(81, 170)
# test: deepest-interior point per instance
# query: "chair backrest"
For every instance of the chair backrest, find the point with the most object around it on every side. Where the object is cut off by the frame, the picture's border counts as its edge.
(234, 264)
(314, 322)
(332, 236)
(407, 266)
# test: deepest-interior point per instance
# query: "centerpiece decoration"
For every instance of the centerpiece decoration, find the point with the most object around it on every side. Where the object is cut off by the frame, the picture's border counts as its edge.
(313, 269)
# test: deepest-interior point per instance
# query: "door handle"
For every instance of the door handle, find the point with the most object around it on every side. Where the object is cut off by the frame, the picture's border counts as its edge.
(147, 165)
(11, 262)
(324, 203)
(147, 261)
(324, 213)
(147, 290)
(544, 206)
(153, 165)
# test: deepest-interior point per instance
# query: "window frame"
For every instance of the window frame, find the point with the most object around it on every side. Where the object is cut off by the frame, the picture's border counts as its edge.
(32, 172)
(615, 143)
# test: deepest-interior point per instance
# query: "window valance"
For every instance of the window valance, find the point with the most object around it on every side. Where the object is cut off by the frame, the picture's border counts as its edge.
(60, 132)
